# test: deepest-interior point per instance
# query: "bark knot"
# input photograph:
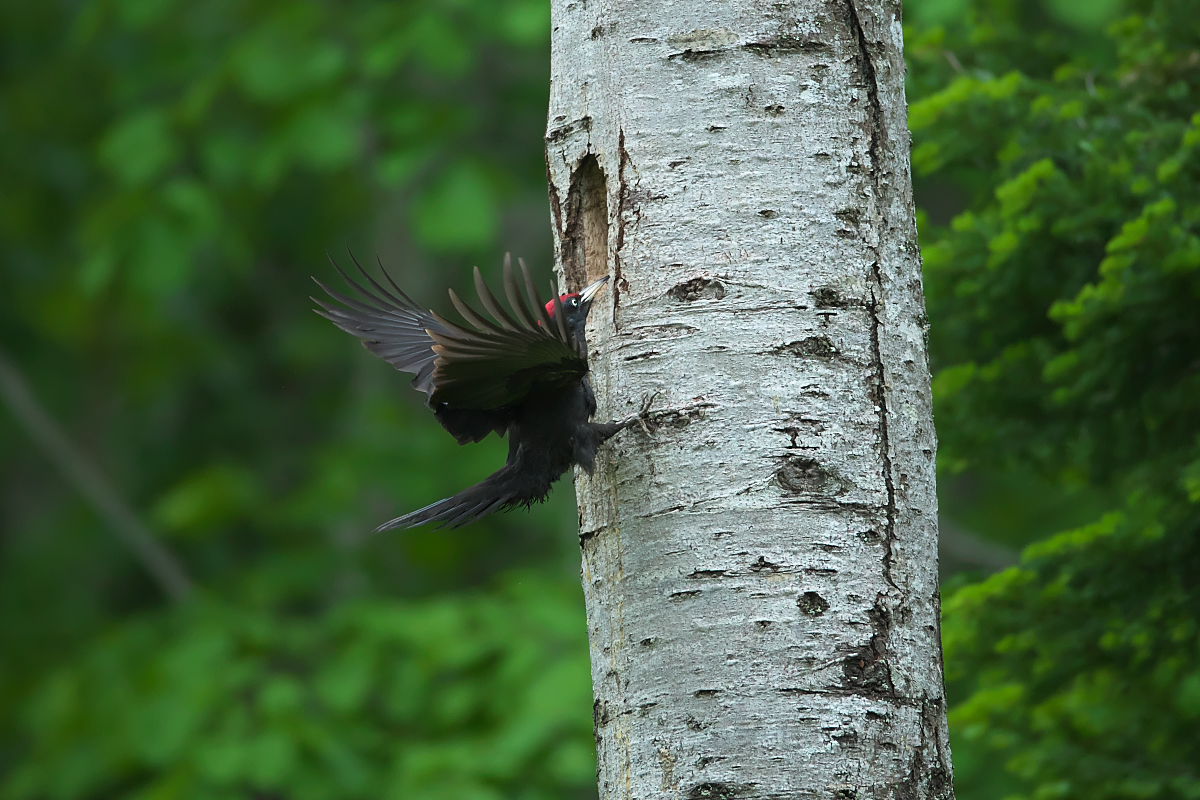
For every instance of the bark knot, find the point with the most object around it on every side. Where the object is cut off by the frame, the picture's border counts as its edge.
(714, 791)
(698, 288)
(829, 297)
(812, 604)
(806, 476)
(809, 347)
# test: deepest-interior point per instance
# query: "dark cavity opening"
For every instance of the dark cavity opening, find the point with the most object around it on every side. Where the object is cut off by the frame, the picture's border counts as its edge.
(585, 246)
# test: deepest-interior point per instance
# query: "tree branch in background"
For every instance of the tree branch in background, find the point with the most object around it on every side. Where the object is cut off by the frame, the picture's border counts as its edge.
(969, 550)
(49, 437)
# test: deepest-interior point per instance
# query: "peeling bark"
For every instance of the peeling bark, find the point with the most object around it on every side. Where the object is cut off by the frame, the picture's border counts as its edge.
(761, 568)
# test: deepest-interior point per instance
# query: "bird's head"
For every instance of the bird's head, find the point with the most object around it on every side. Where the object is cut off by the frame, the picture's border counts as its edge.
(575, 306)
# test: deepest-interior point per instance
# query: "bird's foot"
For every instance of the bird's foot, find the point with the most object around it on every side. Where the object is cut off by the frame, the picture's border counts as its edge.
(606, 430)
(643, 418)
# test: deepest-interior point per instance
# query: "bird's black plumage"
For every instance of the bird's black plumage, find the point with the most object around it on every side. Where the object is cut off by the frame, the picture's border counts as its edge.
(518, 370)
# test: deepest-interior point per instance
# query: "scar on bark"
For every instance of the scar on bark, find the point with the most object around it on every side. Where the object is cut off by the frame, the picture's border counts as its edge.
(585, 241)
(812, 604)
(698, 288)
(801, 475)
(867, 670)
(809, 347)
(717, 791)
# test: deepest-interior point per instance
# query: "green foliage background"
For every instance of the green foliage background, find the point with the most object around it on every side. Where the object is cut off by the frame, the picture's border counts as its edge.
(172, 173)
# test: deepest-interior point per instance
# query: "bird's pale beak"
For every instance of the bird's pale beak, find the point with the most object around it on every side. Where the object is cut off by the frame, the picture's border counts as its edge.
(592, 290)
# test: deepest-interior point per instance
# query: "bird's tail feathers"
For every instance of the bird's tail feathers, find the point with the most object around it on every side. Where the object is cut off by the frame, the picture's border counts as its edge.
(504, 489)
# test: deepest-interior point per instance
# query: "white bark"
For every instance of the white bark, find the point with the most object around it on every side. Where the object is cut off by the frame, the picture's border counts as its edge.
(761, 571)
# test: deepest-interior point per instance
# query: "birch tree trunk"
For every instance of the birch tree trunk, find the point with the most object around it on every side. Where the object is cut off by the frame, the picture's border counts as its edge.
(761, 570)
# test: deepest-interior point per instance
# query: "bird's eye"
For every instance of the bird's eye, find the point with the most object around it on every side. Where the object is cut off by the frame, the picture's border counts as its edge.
(574, 302)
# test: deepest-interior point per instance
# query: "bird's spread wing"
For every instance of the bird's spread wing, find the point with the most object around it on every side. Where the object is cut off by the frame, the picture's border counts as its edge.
(496, 359)
(387, 320)
(487, 361)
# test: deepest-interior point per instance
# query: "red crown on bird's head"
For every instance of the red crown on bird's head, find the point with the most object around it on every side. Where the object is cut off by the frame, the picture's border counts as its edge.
(552, 306)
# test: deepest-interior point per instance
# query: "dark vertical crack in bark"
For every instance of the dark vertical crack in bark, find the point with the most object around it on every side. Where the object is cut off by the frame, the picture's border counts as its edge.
(927, 779)
(876, 133)
(884, 434)
(930, 774)
(875, 126)
(622, 201)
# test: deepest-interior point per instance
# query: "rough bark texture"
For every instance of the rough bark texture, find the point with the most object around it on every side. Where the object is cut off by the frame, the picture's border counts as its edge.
(761, 572)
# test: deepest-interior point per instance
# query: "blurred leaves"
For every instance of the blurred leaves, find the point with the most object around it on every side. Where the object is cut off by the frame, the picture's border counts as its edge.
(140, 147)
(458, 212)
(174, 173)
(210, 497)
(370, 698)
(1063, 293)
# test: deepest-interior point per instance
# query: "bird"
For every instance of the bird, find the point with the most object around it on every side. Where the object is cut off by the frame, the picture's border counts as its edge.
(519, 371)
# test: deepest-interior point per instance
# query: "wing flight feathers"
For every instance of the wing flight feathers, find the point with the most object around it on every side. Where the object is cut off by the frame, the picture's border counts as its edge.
(473, 318)
(402, 301)
(538, 307)
(499, 358)
(491, 304)
(489, 359)
(516, 299)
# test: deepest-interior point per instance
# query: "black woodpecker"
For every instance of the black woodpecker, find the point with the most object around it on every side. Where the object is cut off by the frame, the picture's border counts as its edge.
(519, 372)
